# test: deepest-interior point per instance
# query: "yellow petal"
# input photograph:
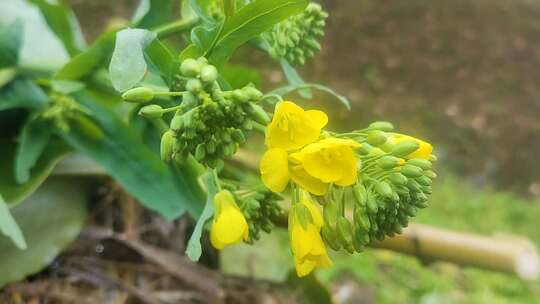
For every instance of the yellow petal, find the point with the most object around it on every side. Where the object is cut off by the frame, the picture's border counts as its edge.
(230, 226)
(318, 166)
(318, 119)
(348, 166)
(315, 212)
(304, 266)
(424, 151)
(307, 182)
(302, 239)
(274, 169)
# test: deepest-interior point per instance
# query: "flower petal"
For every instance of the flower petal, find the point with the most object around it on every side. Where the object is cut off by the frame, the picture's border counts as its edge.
(308, 182)
(318, 119)
(274, 169)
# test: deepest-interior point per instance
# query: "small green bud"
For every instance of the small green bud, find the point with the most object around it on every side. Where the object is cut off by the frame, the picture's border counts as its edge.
(361, 219)
(389, 162)
(405, 148)
(238, 136)
(202, 61)
(194, 86)
(397, 179)
(252, 93)
(430, 174)
(329, 236)
(424, 181)
(189, 100)
(382, 126)
(200, 152)
(140, 94)
(151, 111)
(360, 240)
(360, 194)
(384, 190)
(177, 123)
(376, 137)
(345, 234)
(166, 148)
(411, 171)
(419, 162)
(209, 74)
(257, 113)
(190, 68)
(413, 185)
(331, 213)
(372, 204)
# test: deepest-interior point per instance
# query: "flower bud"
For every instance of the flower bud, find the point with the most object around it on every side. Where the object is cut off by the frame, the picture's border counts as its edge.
(430, 174)
(421, 163)
(167, 143)
(372, 204)
(360, 194)
(384, 190)
(411, 171)
(190, 68)
(194, 85)
(238, 136)
(376, 137)
(257, 113)
(424, 181)
(140, 94)
(329, 236)
(360, 240)
(382, 126)
(345, 234)
(209, 74)
(252, 93)
(405, 148)
(200, 152)
(331, 213)
(389, 162)
(397, 179)
(177, 123)
(151, 111)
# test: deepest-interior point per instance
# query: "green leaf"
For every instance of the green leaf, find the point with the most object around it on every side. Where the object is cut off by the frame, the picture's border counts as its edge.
(7, 75)
(191, 51)
(22, 93)
(11, 37)
(13, 192)
(9, 227)
(63, 23)
(229, 7)
(160, 58)
(289, 89)
(294, 78)
(250, 21)
(140, 171)
(200, 7)
(88, 61)
(67, 86)
(194, 249)
(128, 66)
(34, 137)
(51, 219)
(151, 13)
(309, 289)
(239, 76)
(205, 36)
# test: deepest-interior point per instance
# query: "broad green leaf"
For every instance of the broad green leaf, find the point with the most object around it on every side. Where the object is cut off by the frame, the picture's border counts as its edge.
(160, 58)
(186, 11)
(142, 173)
(194, 249)
(22, 93)
(309, 289)
(50, 219)
(41, 49)
(200, 7)
(35, 136)
(151, 13)
(128, 66)
(205, 36)
(239, 76)
(7, 75)
(229, 7)
(10, 43)
(66, 86)
(13, 192)
(9, 227)
(88, 61)
(294, 78)
(289, 89)
(63, 23)
(191, 51)
(250, 21)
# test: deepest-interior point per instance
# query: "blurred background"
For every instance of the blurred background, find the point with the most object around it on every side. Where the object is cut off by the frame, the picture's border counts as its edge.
(460, 74)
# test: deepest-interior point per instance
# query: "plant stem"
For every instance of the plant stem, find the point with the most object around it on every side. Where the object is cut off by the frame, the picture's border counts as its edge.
(175, 27)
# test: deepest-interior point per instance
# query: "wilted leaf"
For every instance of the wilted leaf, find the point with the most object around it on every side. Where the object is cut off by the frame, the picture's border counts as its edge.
(194, 249)
(128, 66)
(50, 219)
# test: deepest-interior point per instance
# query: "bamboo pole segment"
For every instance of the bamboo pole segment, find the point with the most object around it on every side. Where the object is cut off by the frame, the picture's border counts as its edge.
(505, 254)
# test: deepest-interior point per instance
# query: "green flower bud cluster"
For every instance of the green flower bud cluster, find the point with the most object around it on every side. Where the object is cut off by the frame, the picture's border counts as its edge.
(295, 39)
(391, 188)
(210, 123)
(261, 209)
(62, 108)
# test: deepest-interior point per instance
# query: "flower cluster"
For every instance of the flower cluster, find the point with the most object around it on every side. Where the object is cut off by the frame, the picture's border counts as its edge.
(382, 177)
(209, 123)
(295, 39)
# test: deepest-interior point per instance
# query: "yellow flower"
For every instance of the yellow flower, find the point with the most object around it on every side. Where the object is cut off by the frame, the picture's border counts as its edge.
(292, 127)
(306, 243)
(229, 225)
(278, 168)
(331, 160)
(424, 151)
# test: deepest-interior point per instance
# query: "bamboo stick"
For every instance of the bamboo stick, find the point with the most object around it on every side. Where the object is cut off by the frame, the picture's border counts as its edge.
(505, 254)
